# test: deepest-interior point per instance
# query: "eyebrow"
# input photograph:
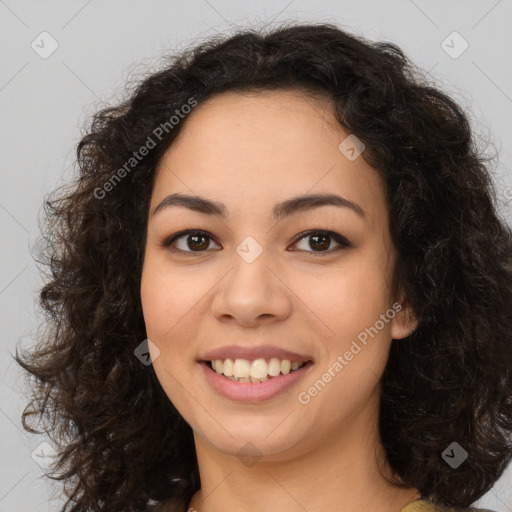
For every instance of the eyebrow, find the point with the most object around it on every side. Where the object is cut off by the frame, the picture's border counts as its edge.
(284, 209)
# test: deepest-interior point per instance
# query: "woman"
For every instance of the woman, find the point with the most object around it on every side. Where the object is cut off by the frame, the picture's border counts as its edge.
(280, 280)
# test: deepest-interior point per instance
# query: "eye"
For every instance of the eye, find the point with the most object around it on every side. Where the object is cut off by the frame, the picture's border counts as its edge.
(319, 241)
(194, 241)
(197, 241)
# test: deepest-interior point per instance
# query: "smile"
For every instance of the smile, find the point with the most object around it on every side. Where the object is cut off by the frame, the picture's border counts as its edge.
(253, 381)
(258, 370)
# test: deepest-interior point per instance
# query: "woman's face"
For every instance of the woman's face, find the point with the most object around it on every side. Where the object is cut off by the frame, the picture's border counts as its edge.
(252, 282)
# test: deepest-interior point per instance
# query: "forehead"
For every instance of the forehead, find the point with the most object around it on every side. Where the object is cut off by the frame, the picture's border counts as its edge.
(257, 148)
(270, 120)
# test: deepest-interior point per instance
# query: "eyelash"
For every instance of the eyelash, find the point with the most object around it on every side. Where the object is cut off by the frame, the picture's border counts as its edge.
(342, 241)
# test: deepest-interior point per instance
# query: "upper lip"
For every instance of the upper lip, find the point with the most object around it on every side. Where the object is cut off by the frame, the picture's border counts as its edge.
(251, 353)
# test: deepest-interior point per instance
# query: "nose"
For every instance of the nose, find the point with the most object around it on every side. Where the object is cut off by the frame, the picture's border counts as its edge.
(252, 293)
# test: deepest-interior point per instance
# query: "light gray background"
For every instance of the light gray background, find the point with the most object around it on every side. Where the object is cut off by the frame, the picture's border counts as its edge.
(43, 103)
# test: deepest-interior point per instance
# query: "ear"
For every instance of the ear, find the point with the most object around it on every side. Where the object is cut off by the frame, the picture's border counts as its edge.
(404, 321)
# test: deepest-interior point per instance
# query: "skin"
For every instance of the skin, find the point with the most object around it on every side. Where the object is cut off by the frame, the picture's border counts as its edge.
(250, 151)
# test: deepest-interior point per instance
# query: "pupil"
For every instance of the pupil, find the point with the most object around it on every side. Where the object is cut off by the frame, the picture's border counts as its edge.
(324, 245)
(195, 238)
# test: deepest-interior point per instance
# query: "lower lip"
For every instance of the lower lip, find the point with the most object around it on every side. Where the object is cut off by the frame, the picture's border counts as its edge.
(253, 392)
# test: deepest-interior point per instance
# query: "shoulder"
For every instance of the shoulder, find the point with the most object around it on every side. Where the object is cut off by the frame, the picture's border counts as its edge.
(424, 506)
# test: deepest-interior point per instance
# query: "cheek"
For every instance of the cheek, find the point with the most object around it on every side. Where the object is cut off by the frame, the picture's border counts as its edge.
(165, 318)
(154, 301)
(348, 298)
(350, 302)
(166, 296)
(172, 305)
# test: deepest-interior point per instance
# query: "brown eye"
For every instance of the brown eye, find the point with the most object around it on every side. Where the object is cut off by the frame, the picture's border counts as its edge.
(320, 241)
(189, 241)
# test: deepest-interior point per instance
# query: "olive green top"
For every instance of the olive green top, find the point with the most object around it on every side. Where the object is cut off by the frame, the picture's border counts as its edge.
(419, 505)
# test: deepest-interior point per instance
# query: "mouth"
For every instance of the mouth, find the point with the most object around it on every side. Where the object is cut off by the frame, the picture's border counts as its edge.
(253, 381)
(255, 371)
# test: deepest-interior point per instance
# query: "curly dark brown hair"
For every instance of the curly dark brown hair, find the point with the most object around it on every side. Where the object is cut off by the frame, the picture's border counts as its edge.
(120, 441)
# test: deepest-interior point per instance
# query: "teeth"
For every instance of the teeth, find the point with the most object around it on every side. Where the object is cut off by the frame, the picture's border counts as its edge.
(241, 368)
(227, 367)
(274, 367)
(258, 370)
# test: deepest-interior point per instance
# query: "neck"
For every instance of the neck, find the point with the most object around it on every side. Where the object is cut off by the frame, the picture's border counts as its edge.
(339, 473)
